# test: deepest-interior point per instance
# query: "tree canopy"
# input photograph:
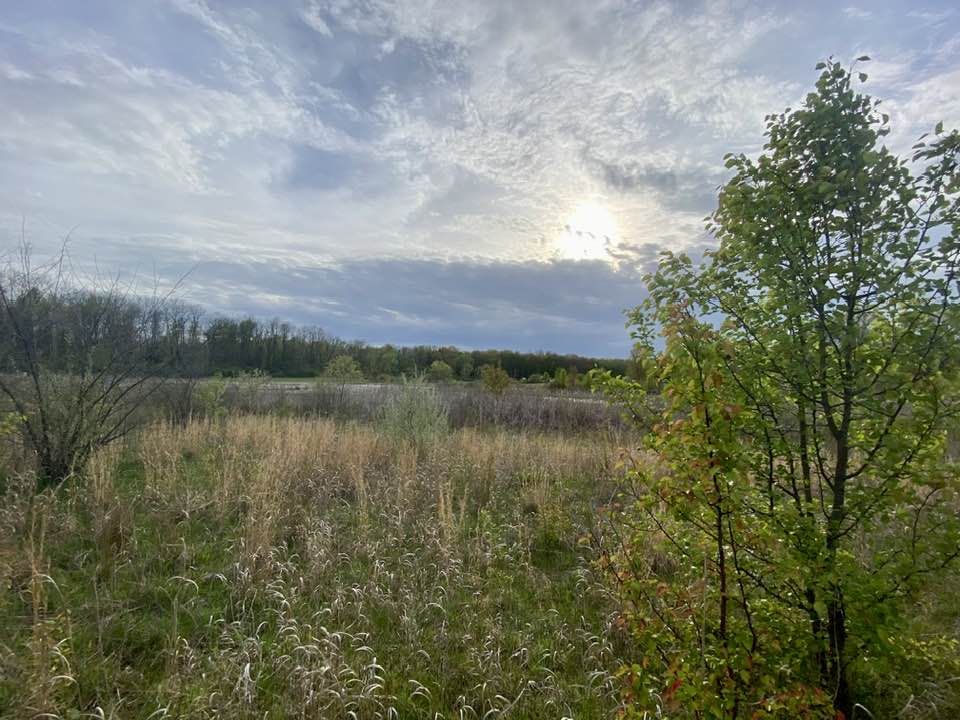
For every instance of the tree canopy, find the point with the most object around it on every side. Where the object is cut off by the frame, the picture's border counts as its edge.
(805, 477)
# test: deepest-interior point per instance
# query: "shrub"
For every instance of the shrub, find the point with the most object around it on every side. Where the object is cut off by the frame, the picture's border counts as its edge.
(440, 372)
(209, 397)
(343, 367)
(494, 379)
(560, 380)
(416, 413)
(76, 364)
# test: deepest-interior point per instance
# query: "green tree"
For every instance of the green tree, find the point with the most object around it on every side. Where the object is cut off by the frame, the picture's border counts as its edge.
(440, 372)
(494, 379)
(642, 366)
(560, 380)
(385, 362)
(343, 367)
(804, 439)
(464, 366)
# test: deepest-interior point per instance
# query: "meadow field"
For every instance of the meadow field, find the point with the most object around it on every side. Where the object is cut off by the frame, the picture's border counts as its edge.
(256, 566)
(752, 514)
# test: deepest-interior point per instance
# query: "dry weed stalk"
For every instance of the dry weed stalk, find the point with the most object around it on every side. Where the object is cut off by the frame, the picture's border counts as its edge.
(49, 668)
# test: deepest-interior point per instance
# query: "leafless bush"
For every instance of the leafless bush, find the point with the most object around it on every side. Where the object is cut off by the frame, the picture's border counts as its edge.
(77, 362)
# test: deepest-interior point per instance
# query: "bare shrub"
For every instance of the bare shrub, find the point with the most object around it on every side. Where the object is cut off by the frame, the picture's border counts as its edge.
(77, 364)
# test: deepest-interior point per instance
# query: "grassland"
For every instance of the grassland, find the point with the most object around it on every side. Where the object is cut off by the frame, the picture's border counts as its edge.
(254, 566)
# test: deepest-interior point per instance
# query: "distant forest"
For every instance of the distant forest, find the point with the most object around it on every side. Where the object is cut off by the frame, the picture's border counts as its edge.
(182, 338)
(229, 345)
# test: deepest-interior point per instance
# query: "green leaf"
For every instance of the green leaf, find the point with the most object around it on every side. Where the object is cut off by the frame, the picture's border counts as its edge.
(733, 393)
(863, 58)
(939, 128)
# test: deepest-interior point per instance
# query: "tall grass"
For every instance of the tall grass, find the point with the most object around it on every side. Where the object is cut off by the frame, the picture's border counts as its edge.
(523, 409)
(262, 566)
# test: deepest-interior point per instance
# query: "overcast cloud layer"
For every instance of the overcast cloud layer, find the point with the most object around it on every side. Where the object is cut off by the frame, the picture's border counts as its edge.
(486, 174)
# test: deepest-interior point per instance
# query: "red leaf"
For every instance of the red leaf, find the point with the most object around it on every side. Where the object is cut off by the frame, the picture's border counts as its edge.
(674, 686)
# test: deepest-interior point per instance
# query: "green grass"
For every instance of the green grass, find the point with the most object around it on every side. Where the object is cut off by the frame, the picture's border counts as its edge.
(390, 607)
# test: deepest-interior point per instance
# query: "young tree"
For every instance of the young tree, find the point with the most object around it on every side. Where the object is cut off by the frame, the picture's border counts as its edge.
(77, 365)
(560, 380)
(464, 366)
(494, 379)
(440, 372)
(818, 410)
(343, 367)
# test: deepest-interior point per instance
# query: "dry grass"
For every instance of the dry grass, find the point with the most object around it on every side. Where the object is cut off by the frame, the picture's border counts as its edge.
(259, 566)
(522, 408)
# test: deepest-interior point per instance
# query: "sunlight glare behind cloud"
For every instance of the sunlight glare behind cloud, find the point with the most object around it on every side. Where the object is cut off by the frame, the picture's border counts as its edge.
(587, 234)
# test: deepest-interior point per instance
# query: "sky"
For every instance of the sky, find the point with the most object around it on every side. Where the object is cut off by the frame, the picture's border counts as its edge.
(483, 174)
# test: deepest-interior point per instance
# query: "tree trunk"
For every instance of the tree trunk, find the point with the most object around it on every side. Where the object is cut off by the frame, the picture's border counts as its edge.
(837, 668)
(836, 617)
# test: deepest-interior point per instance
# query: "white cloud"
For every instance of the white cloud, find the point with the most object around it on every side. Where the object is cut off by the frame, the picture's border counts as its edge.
(857, 13)
(9, 71)
(312, 17)
(318, 131)
(932, 17)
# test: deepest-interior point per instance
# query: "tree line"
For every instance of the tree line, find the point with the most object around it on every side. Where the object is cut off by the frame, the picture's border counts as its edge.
(56, 322)
(230, 345)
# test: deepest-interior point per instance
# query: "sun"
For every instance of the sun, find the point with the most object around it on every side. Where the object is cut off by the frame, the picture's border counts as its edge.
(587, 233)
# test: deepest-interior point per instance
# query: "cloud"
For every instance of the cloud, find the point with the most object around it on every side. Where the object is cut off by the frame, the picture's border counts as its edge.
(560, 305)
(311, 16)
(417, 133)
